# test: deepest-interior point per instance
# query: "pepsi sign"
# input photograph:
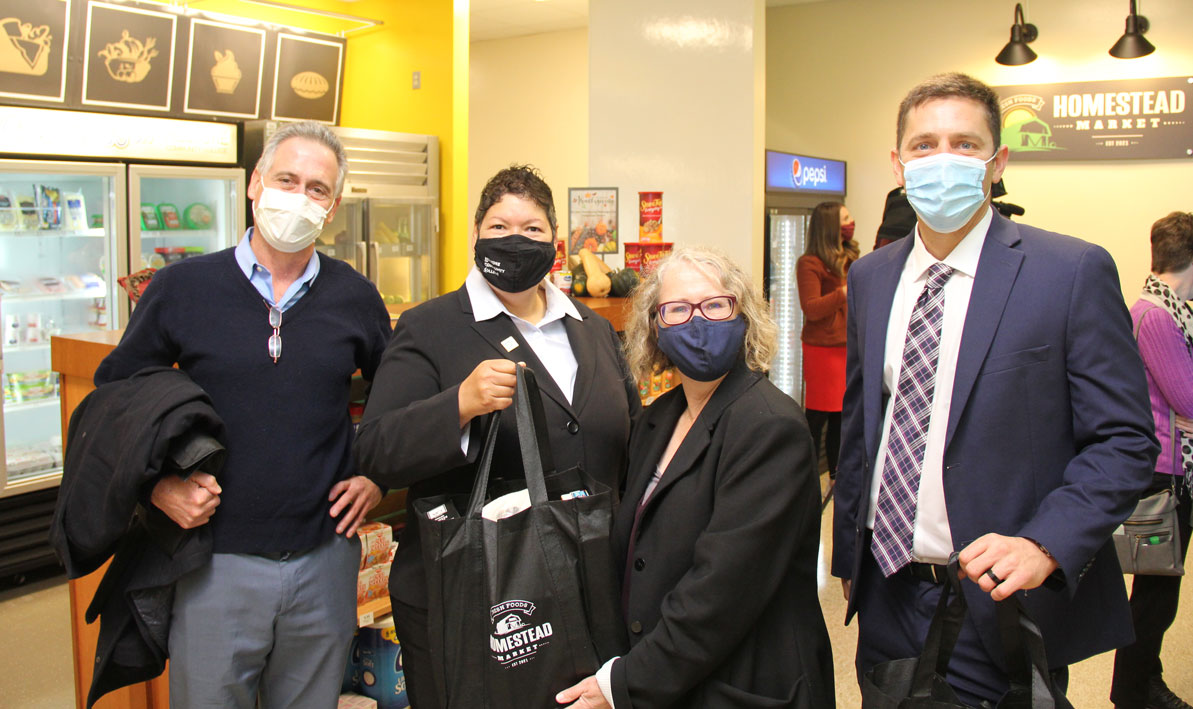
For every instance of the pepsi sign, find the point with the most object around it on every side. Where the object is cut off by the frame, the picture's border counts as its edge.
(786, 172)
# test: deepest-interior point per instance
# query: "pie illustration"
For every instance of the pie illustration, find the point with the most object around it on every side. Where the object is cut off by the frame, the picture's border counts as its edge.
(309, 84)
(24, 49)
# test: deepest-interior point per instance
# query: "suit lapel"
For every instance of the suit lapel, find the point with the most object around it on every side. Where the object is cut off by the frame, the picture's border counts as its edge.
(659, 423)
(580, 336)
(497, 331)
(700, 435)
(998, 267)
(879, 299)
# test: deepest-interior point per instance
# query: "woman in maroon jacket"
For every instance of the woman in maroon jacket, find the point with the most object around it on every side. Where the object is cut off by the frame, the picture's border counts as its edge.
(820, 275)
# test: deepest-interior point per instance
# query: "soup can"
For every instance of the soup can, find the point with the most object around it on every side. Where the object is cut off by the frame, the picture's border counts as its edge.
(650, 216)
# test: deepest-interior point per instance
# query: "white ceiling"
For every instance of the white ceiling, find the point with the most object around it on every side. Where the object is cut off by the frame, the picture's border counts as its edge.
(498, 19)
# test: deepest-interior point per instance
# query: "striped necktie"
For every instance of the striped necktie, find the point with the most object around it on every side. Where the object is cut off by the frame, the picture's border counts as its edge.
(894, 520)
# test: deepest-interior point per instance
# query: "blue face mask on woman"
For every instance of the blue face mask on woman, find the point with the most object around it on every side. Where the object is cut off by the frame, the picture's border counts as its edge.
(703, 349)
(945, 189)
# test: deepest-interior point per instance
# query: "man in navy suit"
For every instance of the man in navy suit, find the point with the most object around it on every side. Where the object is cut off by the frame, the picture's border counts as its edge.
(995, 406)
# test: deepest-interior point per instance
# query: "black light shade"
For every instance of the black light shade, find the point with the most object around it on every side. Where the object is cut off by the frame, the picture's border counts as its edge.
(1133, 44)
(1017, 52)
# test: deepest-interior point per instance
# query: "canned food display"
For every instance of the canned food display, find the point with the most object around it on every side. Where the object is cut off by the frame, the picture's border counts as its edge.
(650, 216)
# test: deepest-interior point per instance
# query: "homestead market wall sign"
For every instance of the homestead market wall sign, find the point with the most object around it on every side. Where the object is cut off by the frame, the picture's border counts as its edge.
(1133, 119)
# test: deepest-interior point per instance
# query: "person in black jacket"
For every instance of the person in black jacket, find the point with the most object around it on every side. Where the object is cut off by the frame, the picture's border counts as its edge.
(451, 362)
(273, 332)
(720, 522)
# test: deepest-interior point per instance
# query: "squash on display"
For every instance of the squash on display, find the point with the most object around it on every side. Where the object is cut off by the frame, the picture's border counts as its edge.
(598, 283)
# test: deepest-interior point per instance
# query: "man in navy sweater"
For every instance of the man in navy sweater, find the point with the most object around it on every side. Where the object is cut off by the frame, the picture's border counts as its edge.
(269, 621)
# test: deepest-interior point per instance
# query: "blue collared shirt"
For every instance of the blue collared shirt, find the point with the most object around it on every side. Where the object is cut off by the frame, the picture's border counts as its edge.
(262, 279)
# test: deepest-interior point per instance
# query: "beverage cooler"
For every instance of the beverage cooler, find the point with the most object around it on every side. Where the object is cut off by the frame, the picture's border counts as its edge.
(80, 206)
(795, 184)
(387, 225)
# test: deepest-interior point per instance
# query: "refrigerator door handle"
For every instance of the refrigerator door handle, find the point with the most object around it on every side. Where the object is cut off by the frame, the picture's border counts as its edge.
(358, 257)
(374, 262)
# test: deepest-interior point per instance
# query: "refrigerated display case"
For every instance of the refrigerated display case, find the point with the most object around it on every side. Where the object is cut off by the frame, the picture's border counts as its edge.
(387, 225)
(60, 244)
(66, 181)
(176, 212)
(795, 184)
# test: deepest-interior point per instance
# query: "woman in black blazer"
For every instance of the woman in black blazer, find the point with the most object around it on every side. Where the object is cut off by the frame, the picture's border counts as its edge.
(451, 363)
(720, 520)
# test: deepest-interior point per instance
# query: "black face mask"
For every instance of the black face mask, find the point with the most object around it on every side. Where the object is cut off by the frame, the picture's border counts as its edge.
(514, 263)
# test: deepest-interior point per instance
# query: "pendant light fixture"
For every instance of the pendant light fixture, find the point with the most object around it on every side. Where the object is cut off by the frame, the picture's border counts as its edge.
(1017, 52)
(1133, 44)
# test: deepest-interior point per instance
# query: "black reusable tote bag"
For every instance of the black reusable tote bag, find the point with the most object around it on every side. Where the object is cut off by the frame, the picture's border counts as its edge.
(522, 607)
(919, 682)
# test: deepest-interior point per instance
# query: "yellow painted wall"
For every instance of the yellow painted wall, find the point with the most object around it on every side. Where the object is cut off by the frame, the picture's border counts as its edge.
(836, 72)
(508, 126)
(428, 36)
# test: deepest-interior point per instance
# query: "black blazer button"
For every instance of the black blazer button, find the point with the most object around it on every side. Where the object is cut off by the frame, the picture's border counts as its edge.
(573, 427)
(635, 627)
(639, 563)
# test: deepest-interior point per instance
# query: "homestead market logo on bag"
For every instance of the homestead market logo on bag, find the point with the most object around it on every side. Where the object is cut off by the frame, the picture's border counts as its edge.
(515, 638)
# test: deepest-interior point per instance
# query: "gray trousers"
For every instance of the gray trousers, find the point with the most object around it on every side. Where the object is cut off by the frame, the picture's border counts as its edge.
(250, 628)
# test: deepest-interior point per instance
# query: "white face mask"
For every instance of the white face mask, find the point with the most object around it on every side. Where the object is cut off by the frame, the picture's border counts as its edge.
(288, 221)
(945, 189)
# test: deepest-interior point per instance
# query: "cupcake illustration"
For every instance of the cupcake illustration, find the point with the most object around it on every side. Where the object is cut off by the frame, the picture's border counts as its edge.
(226, 73)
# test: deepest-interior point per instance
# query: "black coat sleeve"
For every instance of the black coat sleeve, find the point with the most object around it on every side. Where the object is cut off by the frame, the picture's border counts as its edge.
(147, 341)
(410, 430)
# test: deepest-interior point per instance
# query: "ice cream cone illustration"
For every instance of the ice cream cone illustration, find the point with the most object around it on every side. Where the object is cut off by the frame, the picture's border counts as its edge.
(24, 49)
(226, 73)
(128, 59)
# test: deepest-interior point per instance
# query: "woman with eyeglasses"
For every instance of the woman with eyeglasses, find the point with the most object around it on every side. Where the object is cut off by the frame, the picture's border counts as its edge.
(719, 524)
(452, 362)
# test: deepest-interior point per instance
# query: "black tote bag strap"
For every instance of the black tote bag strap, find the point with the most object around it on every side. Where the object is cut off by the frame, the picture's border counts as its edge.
(1027, 661)
(532, 440)
(480, 485)
(532, 435)
(942, 634)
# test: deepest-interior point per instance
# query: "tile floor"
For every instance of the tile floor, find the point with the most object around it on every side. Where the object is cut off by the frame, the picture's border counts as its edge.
(35, 660)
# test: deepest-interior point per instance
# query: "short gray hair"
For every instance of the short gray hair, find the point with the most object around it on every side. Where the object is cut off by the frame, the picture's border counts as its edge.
(308, 130)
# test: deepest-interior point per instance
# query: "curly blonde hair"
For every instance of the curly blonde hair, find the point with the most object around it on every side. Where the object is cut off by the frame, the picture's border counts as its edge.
(642, 342)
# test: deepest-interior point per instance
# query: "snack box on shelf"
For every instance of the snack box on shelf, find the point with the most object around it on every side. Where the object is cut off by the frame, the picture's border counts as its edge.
(372, 583)
(375, 539)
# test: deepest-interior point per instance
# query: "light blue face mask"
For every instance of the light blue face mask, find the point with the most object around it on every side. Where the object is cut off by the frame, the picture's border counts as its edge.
(945, 189)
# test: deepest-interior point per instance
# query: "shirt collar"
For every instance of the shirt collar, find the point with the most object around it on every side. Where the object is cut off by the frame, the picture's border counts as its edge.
(486, 305)
(964, 256)
(247, 260)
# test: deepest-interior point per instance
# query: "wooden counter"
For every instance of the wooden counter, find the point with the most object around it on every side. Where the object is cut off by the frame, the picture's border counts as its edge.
(75, 358)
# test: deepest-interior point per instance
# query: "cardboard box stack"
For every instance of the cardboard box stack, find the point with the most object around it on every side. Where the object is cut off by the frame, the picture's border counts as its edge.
(377, 549)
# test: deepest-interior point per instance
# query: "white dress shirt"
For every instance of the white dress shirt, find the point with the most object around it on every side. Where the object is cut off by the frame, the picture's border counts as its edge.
(931, 541)
(548, 338)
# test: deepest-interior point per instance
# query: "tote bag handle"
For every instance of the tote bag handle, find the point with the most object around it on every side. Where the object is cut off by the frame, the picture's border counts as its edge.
(531, 422)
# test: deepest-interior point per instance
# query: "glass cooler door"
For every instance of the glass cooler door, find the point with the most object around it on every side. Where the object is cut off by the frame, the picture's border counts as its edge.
(403, 246)
(59, 227)
(343, 237)
(787, 235)
(178, 212)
